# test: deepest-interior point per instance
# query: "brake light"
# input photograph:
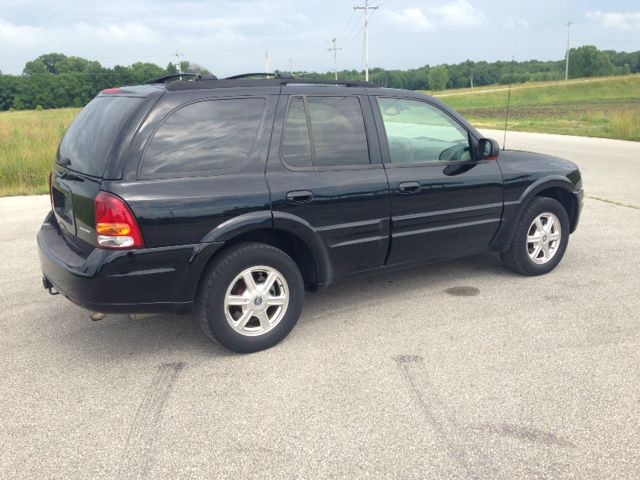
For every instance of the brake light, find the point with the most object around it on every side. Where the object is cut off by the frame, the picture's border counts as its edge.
(111, 91)
(116, 227)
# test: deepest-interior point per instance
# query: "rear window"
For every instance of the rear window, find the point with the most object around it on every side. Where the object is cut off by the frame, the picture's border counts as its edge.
(205, 137)
(87, 144)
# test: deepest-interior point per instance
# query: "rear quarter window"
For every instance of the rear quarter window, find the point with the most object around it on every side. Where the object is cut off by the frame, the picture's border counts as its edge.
(207, 137)
(87, 144)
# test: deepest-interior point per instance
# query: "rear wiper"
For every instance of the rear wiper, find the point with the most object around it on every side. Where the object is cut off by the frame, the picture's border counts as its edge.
(64, 162)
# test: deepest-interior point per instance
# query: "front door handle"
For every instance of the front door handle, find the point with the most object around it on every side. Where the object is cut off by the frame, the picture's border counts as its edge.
(300, 196)
(409, 187)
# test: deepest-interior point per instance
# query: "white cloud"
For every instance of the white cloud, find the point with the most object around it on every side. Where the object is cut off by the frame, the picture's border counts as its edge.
(224, 38)
(411, 17)
(457, 13)
(25, 37)
(616, 19)
(513, 21)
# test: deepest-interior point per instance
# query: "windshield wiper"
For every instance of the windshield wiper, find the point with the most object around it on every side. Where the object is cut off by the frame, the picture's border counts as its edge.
(64, 162)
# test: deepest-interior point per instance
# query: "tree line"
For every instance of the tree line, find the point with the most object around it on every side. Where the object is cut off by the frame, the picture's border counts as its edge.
(55, 80)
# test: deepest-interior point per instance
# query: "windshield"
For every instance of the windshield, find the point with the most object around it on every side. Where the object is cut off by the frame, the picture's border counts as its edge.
(87, 144)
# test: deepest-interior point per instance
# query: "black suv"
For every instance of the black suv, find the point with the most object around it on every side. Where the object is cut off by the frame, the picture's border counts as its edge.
(230, 197)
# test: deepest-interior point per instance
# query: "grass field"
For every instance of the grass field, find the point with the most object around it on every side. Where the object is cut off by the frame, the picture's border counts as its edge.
(608, 107)
(28, 144)
(603, 107)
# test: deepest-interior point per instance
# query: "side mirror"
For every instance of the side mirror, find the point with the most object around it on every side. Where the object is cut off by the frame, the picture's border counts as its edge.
(488, 149)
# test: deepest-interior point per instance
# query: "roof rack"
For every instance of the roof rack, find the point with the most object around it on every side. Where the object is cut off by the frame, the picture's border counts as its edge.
(266, 75)
(177, 76)
(342, 83)
(249, 80)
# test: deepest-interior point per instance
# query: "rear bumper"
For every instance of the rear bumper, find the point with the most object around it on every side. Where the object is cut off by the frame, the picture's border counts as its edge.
(132, 281)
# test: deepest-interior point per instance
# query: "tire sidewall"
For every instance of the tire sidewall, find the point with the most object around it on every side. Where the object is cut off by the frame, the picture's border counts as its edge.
(224, 273)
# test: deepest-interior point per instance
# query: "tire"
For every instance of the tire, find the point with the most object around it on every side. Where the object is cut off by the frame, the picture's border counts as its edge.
(235, 308)
(521, 256)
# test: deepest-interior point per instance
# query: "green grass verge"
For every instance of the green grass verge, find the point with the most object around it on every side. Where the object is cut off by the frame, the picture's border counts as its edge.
(28, 145)
(603, 107)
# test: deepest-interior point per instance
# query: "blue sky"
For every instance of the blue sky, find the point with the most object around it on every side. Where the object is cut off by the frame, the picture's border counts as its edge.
(232, 36)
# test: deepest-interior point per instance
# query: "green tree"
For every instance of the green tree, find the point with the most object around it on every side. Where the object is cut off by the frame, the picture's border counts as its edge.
(171, 69)
(588, 61)
(438, 78)
(48, 63)
(194, 68)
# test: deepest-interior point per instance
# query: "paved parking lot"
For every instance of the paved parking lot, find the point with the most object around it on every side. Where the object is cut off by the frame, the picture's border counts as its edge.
(458, 370)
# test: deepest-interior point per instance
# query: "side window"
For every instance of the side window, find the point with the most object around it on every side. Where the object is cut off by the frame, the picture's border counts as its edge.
(338, 132)
(296, 145)
(207, 137)
(419, 132)
(337, 136)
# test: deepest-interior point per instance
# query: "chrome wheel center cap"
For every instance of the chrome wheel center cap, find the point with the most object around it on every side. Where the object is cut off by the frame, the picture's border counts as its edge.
(258, 301)
(544, 239)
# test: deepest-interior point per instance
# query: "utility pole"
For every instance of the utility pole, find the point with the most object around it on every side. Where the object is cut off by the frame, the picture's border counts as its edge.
(366, 7)
(178, 55)
(267, 62)
(566, 67)
(334, 49)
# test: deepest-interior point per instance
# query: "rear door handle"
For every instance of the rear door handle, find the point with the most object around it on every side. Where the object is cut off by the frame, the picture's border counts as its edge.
(409, 187)
(300, 196)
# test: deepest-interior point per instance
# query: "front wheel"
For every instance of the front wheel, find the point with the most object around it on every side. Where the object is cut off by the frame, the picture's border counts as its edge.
(251, 297)
(540, 239)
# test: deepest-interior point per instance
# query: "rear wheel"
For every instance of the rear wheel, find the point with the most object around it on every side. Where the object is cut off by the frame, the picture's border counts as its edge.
(540, 239)
(251, 297)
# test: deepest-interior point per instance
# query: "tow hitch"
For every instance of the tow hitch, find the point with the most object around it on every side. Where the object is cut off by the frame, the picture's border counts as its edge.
(49, 286)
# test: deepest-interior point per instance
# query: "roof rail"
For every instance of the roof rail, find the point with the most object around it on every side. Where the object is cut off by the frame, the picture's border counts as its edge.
(344, 83)
(177, 76)
(251, 75)
(240, 81)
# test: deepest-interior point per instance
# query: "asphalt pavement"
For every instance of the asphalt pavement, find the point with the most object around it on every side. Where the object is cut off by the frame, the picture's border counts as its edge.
(456, 370)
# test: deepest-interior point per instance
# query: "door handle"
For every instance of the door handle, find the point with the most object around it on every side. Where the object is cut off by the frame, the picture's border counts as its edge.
(300, 196)
(409, 187)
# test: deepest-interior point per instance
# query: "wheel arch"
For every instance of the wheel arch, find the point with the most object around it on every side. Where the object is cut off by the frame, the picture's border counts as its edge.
(557, 187)
(287, 232)
(567, 200)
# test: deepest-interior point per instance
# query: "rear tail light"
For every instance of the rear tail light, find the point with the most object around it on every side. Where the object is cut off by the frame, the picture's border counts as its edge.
(116, 227)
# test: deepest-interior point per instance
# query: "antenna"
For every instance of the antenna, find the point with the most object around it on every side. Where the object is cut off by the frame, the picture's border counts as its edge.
(566, 66)
(506, 120)
(366, 7)
(334, 49)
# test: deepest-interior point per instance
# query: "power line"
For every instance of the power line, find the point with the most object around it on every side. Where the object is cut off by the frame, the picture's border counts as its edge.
(334, 49)
(356, 34)
(346, 27)
(366, 7)
(350, 33)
